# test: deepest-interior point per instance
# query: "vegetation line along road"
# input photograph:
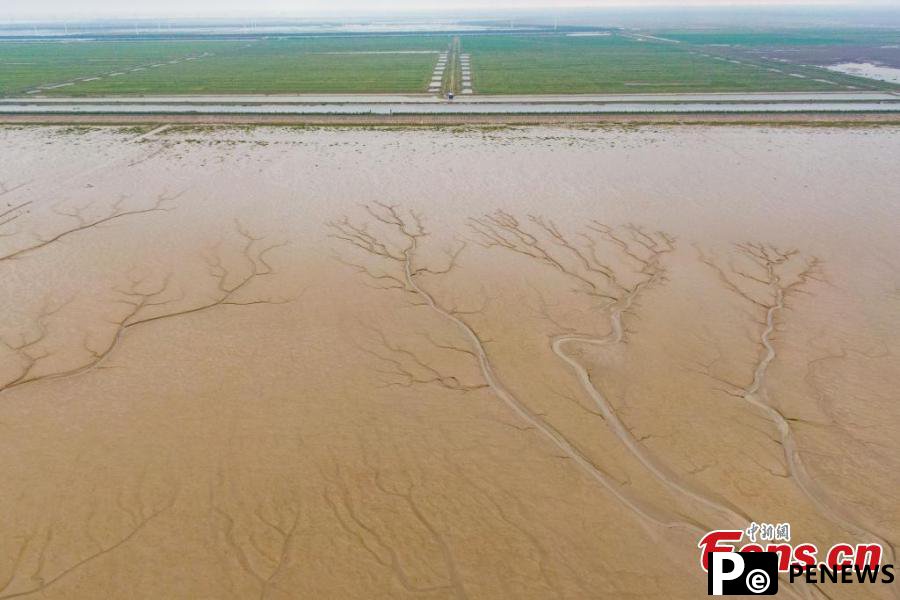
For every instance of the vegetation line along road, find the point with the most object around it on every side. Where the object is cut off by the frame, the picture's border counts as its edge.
(451, 75)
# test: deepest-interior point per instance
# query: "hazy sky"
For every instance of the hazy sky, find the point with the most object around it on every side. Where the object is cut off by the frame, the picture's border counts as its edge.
(25, 8)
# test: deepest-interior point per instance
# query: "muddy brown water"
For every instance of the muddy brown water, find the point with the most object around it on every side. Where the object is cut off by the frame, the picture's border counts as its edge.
(519, 363)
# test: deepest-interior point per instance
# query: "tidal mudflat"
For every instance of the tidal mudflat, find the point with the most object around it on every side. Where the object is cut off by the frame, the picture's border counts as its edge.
(462, 363)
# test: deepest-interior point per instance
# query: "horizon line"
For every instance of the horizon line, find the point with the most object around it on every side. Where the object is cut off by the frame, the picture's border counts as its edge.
(445, 11)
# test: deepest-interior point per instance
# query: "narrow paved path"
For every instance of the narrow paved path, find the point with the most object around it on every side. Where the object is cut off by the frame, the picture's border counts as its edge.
(451, 81)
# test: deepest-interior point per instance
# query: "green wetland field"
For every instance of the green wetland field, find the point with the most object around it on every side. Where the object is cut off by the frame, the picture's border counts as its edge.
(613, 61)
(818, 36)
(619, 63)
(371, 64)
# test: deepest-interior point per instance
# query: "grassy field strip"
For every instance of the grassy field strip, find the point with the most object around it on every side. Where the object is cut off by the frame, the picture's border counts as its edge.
(451, 74)
(276, 72)
(100, 76)
(515, 64)
(804, 54)
(791, 37)
(270, 65)
(28, 66)
(381, 52)
(622, 63)
(784, 67)
(642, 37)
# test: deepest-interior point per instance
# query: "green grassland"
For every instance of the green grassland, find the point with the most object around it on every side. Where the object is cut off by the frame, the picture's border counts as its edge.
(545, 64)
(786, 37)
(25, 65)
(501, 64)
(264, 66)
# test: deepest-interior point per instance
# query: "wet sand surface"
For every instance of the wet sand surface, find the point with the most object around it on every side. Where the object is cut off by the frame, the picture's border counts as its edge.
(517, 363)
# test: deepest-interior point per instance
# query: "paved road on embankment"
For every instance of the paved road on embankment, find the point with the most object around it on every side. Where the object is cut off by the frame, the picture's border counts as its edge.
(855, 102)
(428, 109)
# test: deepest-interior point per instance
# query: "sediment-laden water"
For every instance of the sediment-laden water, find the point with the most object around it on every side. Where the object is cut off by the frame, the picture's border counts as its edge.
(484, 363)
